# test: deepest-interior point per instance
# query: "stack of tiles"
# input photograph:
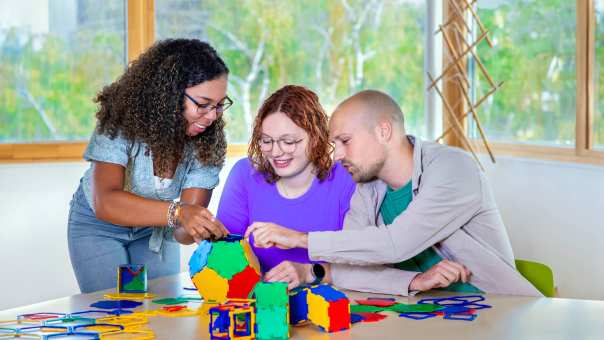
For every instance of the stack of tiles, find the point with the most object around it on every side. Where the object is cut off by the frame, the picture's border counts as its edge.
(272, 310)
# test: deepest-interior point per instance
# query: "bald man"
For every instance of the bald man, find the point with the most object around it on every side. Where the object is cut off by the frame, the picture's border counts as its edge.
(422, 216)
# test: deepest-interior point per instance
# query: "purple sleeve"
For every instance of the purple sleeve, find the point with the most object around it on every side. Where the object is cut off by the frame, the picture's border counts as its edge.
(233, 206)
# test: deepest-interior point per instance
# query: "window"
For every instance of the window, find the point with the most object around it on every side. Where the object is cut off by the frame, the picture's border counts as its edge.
(334, 48)
(534, 54)
(548, 53)
(55, 55)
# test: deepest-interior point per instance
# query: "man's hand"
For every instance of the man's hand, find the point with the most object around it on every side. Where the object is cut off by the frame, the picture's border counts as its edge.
(292, 273)
(268, 235)
(441, 275)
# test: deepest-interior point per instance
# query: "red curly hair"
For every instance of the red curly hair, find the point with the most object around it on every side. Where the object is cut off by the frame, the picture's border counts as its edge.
(302, 106)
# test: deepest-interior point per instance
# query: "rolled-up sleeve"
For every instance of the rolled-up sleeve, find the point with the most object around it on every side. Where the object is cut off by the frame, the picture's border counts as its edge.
(374, 279)
(102, 148)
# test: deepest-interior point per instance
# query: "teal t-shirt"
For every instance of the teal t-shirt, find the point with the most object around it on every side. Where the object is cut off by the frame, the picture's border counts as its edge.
(395, 202)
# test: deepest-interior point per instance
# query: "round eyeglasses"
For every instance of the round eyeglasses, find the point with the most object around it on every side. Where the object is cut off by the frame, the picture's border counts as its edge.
(286, 145)
(207, 108)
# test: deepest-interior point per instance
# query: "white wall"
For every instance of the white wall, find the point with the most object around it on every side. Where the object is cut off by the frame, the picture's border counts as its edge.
(552, 211)
(554, 214)
(34, 203)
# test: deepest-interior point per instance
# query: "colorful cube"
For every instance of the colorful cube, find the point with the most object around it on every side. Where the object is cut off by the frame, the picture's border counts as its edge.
(233, 320)
(328, 308)
(132, 278)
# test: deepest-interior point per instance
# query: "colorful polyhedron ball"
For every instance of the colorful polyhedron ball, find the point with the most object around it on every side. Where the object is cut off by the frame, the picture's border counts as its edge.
(225, 269)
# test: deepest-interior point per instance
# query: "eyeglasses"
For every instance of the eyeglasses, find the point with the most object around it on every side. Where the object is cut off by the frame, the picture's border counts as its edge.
(287, 145)
(203, 109)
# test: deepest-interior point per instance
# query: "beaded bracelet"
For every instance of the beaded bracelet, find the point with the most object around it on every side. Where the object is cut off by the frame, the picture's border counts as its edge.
(172, 220)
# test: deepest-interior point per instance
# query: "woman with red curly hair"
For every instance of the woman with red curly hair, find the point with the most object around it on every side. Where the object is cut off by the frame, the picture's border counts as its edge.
(289, 179)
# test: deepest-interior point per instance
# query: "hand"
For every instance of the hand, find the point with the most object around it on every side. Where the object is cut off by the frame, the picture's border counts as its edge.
(292, 273)
(268, 235)
(200, 223)
(441, 275)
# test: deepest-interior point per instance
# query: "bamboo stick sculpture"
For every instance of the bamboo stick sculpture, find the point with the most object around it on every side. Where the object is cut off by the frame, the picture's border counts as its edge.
(454, 70)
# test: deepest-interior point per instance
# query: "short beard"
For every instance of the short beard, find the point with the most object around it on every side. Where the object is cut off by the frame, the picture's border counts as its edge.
(368, 175)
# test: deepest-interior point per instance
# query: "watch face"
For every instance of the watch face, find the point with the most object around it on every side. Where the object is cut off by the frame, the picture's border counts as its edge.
(318, 271)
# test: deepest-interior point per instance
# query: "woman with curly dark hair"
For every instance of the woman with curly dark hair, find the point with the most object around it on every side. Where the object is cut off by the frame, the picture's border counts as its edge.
(288, 179)
(159, 138)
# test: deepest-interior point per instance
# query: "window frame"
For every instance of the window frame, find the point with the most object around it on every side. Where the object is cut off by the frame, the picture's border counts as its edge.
(141, 34)
(583, 151)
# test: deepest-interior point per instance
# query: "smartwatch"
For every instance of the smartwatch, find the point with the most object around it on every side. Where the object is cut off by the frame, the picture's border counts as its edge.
(318, 272)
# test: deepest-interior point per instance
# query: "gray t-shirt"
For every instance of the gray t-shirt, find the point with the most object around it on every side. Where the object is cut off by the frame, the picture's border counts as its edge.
(139, 176)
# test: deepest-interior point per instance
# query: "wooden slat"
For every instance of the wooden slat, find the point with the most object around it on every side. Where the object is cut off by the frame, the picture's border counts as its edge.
(141, 26)
(6, 151)
(582, 99)
(590, 72)
(451, 91)
(42, 152)
(551, 153)
(237, 150)
(68, 152)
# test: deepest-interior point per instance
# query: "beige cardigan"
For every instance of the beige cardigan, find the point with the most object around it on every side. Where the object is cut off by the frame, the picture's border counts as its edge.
(452, 210)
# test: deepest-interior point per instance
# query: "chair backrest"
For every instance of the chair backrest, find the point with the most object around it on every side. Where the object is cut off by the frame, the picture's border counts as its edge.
(540, 275)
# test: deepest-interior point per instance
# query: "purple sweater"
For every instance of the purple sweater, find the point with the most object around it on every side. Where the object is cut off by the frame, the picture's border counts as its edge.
(248, 198)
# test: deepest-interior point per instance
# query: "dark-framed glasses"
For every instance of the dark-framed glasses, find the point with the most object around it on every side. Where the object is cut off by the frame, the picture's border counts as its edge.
(206, 108)
(286, 145)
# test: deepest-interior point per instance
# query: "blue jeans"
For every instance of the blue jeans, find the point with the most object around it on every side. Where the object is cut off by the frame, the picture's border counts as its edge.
(97, 248)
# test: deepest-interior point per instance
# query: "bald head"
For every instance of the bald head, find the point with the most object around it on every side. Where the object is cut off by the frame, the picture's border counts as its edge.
(370, 107)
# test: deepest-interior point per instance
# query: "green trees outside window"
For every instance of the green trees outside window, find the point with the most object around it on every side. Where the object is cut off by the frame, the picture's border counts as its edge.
(54, 57)
(333, 47)
(534, 53)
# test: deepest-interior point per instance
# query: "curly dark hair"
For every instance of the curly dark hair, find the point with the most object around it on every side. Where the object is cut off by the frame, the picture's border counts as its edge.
(302, 106)
(146, 103)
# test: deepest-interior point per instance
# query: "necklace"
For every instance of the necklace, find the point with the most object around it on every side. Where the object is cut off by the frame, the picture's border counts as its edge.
(285, 193)
(281, 188)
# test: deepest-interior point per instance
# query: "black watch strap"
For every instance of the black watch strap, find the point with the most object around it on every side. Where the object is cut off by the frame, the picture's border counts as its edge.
(318, 271)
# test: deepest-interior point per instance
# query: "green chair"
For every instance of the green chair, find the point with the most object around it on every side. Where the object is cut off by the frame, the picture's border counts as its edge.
(540, 275)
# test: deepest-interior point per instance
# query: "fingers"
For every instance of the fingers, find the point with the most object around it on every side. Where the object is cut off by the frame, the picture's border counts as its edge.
(273, 235)
(284, 272)
(461, 272)
(277, 274)
(212, 225)
(442, 281)
(253, 227)
(464, 273)
(201, 224)
(198, 235)
(263, 234)
(263, 238)
(452, 273)
(447, 272)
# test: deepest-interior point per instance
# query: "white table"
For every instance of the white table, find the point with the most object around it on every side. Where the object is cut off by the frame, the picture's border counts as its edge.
(510, 318)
